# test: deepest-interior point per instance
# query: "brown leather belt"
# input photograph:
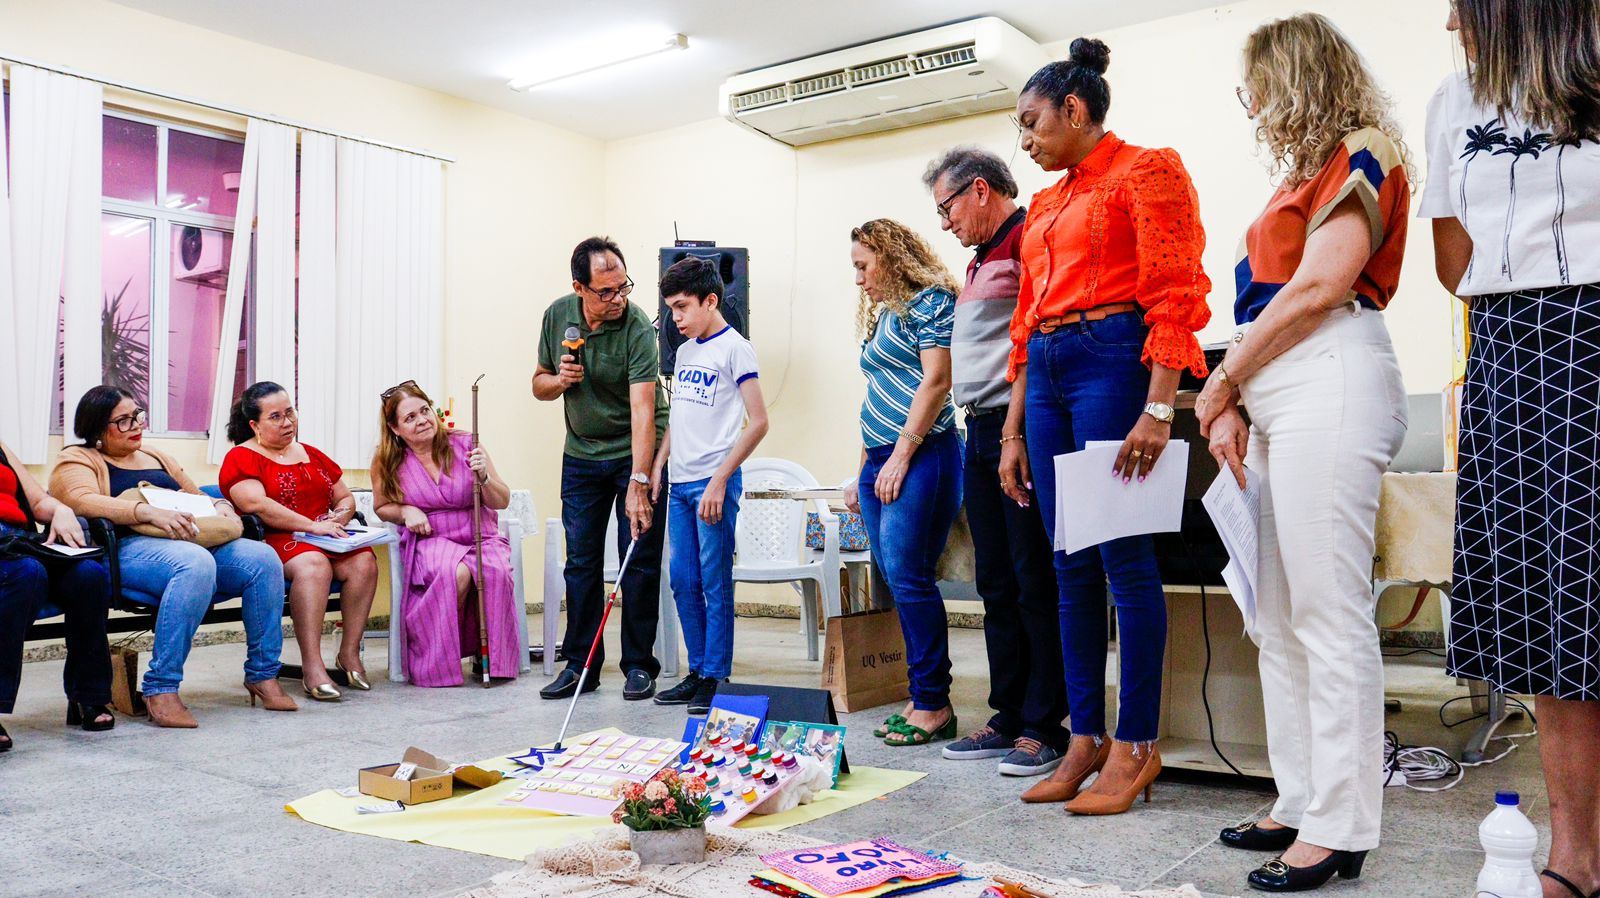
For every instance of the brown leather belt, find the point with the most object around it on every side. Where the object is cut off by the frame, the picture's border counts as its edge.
(1050, 325)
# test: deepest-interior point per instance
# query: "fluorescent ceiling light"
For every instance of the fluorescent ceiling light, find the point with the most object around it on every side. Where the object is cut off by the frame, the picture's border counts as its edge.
(616, 54)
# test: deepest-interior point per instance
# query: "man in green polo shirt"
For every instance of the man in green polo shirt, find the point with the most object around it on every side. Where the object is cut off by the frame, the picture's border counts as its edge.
(615, 413)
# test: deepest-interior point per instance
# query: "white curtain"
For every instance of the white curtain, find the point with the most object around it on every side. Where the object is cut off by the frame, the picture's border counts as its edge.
(265, 212)
(275, 265)
(390, 293)
(318, 284)
(49, 252)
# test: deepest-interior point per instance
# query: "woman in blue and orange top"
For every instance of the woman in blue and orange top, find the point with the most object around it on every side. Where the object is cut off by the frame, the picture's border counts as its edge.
(1312, 359)
(1111, 295)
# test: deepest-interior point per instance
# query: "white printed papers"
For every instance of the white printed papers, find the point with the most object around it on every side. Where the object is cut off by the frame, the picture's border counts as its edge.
(171, 500)
(1237, 515)
(1094, 506)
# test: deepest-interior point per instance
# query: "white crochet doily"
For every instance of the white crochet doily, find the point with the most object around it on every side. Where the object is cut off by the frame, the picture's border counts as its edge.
(604, 868)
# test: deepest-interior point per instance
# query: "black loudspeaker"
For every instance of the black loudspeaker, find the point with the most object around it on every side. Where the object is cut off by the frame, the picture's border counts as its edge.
(733, 263)
(1195, 554)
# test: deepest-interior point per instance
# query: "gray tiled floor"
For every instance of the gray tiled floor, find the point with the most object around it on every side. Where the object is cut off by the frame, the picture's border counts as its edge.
(141, 811)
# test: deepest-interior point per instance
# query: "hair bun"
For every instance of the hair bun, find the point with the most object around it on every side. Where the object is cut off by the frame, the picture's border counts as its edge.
(1091, 53)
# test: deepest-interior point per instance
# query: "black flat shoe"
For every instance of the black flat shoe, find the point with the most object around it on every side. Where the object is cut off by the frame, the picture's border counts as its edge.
(5, 740)
(566, 683)
(682, 693)
(1276, 876)
(88, 717)
(1251, 837)
(639, 686)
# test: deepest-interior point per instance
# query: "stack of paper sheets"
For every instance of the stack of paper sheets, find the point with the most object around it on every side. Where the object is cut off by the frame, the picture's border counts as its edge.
(1237, 514)
(871, 868)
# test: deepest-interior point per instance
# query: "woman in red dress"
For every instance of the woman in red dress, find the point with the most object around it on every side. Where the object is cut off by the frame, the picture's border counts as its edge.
(293, 488)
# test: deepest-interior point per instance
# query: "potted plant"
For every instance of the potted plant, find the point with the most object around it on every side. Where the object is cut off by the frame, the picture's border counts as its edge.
(666, 818)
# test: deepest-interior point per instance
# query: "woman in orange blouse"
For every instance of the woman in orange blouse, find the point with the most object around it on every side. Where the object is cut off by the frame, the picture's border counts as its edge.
(1111, 295)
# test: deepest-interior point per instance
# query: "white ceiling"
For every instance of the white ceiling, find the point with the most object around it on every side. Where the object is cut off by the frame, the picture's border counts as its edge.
(470, 48)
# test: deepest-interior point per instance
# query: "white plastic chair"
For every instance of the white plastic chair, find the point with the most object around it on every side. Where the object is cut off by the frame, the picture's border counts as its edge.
(770, 541)
(510, 527)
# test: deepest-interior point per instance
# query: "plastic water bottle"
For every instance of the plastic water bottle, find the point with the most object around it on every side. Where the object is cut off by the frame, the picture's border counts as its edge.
(1509, 841)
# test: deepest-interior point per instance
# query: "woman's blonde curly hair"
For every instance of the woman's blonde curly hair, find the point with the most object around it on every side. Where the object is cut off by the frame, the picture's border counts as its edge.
(907, 265)
(1312, 90)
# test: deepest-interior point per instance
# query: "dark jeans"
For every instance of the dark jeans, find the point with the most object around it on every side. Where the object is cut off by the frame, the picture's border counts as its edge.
(591, 493)
(1086, 383)
(1017, 580)
(82, 590)
(907, 537)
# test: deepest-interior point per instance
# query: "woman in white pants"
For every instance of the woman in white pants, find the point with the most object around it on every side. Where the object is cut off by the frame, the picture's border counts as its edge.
(1312, 364)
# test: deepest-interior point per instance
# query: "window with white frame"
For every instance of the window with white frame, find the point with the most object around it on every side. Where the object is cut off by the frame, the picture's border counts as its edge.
(169, 194)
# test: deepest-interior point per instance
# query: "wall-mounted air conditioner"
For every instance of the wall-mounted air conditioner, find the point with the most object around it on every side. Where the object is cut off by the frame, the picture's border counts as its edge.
(198, 257)
(954, 70)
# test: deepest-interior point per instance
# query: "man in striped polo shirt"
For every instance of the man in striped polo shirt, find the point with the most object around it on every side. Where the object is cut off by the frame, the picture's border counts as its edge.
(975, 196)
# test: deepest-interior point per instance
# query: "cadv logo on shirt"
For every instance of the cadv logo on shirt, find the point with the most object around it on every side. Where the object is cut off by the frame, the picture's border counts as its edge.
(696, 384)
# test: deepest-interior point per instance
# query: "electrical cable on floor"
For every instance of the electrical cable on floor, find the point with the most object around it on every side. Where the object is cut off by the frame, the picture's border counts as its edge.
(1425, 763)
(1205, 675)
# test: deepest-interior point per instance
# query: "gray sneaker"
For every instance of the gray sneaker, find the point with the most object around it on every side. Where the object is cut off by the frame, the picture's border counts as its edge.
(985, 743)
(1030, 758)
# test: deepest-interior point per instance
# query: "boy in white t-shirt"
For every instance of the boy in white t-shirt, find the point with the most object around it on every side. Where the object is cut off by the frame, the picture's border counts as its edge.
(714, 390)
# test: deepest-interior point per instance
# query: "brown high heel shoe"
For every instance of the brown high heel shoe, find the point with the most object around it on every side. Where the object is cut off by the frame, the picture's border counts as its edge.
(167, 710)
(272, 696)
(1063, 784)
(1099, 801)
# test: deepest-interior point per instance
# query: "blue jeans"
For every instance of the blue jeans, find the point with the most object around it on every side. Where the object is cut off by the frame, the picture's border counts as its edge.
(1086, 383)
(188, 577)
(702, 575)
(81, 589)
(907, 538)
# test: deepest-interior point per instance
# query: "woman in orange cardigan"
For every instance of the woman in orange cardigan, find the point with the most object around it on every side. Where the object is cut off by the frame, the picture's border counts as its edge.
(1111, 294)
(90, 477)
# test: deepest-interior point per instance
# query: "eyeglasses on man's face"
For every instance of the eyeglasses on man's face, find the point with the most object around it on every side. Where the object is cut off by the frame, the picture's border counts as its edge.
(128, 423)
(944, 207)
(612, 294)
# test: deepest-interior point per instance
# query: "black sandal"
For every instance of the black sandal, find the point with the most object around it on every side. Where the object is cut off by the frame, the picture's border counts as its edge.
(1562, 880)
(88, 717)
(5, 740)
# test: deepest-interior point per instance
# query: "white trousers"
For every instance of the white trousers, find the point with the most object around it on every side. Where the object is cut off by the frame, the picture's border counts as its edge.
(1327, 417)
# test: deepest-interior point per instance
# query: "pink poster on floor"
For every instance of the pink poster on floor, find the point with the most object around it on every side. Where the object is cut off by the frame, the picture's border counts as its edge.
(837, 869)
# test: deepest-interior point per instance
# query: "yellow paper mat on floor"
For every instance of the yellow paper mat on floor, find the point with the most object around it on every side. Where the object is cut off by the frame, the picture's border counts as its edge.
(478, 822)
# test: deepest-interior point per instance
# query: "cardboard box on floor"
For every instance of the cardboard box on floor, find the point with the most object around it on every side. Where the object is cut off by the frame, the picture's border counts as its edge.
(432, 781)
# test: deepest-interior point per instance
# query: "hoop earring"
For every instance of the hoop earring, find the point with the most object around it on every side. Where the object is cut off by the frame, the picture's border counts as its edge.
(1074, 124)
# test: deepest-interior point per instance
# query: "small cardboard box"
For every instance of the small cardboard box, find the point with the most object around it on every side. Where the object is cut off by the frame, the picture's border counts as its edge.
(434, 779)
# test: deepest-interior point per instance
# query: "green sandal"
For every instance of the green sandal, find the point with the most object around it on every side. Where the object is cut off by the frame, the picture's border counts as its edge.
(920, 736)
(889, 723)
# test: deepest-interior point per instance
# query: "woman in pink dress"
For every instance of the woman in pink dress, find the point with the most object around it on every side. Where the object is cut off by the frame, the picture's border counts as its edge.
(422, 478)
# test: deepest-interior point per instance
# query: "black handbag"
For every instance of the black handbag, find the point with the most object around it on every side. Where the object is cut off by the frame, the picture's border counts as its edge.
(31, 545)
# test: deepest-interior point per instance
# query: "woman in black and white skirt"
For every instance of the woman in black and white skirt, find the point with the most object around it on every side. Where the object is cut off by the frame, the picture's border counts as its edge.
(1514, 191)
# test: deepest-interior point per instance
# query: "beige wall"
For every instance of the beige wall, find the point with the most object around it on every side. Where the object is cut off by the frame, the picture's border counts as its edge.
(1173, 83)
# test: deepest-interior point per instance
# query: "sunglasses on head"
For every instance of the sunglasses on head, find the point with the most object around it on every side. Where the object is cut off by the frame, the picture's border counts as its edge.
(408, 386)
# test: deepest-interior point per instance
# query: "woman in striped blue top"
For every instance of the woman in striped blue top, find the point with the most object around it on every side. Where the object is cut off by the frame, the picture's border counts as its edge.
(910, 485)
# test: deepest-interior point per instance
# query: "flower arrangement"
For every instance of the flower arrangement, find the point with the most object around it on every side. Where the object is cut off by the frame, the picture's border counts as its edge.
(668, 801)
